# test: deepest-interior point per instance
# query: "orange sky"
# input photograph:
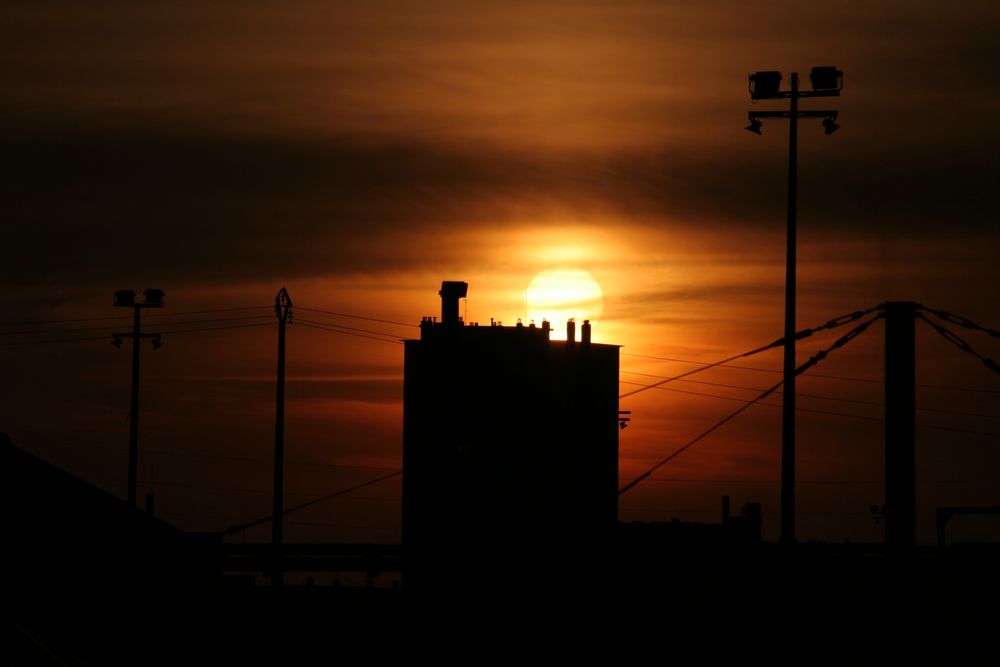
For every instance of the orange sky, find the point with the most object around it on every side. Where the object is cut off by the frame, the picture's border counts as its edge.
(360, 154)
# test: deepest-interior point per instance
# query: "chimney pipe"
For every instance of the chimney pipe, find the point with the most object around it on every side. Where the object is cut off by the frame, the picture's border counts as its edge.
(451, 292)
(571, 330)
(585, 332)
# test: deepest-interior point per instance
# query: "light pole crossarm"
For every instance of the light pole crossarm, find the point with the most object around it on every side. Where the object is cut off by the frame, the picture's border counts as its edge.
(785, 94)
(134, 335)
(788, 114)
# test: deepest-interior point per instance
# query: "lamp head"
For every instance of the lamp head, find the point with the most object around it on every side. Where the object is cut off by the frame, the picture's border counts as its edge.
(765, 85)
(826, 78)
(830, 125)
(154, 298)
(125, 298)
(754, 126)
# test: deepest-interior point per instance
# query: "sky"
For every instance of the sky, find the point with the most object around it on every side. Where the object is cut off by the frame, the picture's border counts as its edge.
(359, 153)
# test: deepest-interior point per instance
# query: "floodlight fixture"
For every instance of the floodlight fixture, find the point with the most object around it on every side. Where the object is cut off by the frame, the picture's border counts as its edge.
(754, 126)
(124, 298)
(826, 79)
(154, 298)
(830, 125)
(765, 85)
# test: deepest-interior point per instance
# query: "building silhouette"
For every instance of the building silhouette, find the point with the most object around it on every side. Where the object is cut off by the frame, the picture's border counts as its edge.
(510, 449)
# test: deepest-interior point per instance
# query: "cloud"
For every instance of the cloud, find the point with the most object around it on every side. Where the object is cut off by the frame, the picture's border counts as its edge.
(112, 201)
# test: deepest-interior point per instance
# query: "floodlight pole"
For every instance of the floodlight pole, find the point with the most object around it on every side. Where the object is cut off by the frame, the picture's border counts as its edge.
(764, 85)
(283, 310)
(788, 388)
(133, 425)
(126, 299)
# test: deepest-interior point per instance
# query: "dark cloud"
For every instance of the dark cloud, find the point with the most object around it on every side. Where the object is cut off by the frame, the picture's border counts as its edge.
(107, 202)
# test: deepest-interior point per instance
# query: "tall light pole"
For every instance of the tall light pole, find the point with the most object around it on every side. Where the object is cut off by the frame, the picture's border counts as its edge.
(125, 298)
(283, 310)
(826, 82)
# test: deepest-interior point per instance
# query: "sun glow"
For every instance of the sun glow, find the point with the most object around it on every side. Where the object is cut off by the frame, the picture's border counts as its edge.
(560, 293)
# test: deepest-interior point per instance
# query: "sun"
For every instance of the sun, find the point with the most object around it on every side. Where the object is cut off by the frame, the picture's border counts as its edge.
(560, 293)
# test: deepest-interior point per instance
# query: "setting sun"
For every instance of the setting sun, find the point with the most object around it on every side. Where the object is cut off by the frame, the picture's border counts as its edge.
(560, 293)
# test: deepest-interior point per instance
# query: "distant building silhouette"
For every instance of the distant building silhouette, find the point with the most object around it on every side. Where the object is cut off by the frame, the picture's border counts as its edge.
(510, 448)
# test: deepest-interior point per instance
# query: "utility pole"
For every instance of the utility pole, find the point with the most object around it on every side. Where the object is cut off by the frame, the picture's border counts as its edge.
(900, 425)
(826, 82)
(283, 310)
(788, 386)
(126, 299)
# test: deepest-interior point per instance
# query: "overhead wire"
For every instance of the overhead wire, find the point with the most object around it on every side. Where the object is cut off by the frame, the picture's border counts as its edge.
(171, 327)
(357, 317)
(799, 335)
(804, 395)
(299, 320)
(220, 328)
(830, 412)
(246, 459)
(124, 317)
(348, 333)
(114, 326)
(241, 527)
(959, 320)
(961, 344)
(815, 359)
(813, 375)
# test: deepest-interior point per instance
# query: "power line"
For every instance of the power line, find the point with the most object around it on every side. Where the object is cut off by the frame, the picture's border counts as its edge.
(212, 310)
(961, 321)
(799, 335)
(241, 527)
(814, 481)
(319, 524)
(812, 375)
(958, 342)
(804, 333)
(123, 317)
(115, 326)
(804, 395)
(64, 321)
(358, 317)
(235, 489)
(825, 412)
(815, 359)
(231, 326)
(696, 370)
(695, 440)
(58, 340)
(94, 338)
(347, 328)
(349, 333)
(33, 332)
(227, 457)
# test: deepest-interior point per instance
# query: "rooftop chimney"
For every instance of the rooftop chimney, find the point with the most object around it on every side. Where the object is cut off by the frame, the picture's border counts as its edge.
(451, 292)
(585, 332)
(570, 330)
